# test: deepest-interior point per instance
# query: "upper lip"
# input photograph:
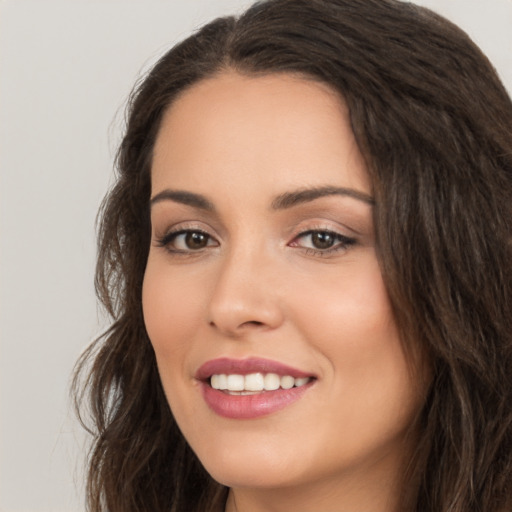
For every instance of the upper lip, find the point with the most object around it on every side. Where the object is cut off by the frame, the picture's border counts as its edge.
(225, 365)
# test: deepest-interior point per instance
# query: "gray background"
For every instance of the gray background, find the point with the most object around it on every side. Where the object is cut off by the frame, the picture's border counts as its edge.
(66, 68)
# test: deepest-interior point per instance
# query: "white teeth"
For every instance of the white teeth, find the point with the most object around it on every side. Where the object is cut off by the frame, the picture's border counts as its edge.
(301, 381)
(272, 381)
(287, 382)
(236, 382)
(219, 382)
(254, 382)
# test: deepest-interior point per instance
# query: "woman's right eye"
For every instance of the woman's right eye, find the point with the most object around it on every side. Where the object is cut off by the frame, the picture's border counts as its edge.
(187, 240)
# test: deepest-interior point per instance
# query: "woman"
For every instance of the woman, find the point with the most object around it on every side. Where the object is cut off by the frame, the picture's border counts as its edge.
(306, 257)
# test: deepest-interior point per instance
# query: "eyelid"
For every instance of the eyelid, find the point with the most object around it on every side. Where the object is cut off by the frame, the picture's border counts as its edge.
(342, 243)
(324, 225)
(336, 234)
(164, 238)
(163, 230)
(171, 235)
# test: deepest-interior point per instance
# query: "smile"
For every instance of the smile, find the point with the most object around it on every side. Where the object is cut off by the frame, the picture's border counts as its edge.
(250, 388)
(255, 382)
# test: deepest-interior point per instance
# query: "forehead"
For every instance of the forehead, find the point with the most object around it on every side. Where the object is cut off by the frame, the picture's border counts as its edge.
(276, 130)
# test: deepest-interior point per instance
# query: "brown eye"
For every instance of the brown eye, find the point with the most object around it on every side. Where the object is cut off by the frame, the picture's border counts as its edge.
(322, 240)
(187, 240)
(196, 240)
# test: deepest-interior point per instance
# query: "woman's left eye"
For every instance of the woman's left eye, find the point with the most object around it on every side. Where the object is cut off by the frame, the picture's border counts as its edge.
(322, 241)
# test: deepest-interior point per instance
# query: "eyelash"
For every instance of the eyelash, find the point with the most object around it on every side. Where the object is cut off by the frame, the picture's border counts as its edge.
(341, 242)
(170, 237)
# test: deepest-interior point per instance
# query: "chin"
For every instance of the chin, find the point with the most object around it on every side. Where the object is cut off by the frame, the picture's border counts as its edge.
(253, 464)
(254, 475)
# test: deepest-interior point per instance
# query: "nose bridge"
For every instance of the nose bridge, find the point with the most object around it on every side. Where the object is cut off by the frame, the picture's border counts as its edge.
(244, 295)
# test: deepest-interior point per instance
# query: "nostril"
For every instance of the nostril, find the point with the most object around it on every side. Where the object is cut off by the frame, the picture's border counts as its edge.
(253, 322)
(249, 323)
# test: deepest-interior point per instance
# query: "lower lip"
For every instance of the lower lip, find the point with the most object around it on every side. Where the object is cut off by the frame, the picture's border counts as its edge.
(244, 407)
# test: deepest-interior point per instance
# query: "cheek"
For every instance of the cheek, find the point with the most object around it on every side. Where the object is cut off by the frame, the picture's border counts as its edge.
(349, 321)
(349, 310)
(171, 317)
(170, 311)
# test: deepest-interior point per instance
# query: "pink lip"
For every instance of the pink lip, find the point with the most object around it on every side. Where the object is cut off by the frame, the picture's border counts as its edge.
(248, 406)
(245, 366)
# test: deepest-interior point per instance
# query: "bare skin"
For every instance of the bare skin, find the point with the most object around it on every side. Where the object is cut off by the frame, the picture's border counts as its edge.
(263, 247)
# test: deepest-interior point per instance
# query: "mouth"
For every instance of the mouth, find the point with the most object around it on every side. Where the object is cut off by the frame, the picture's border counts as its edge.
(254, 383)
(250, 388)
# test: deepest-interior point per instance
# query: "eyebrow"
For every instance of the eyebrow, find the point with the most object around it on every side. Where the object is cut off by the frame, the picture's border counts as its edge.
(281, 202)
(183, 197)
(290, 199)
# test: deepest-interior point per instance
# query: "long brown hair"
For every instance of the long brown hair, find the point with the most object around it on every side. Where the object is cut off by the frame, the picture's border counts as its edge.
(434, 124)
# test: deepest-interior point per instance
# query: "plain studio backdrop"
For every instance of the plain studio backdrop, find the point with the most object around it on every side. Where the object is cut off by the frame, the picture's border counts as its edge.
(66, 69)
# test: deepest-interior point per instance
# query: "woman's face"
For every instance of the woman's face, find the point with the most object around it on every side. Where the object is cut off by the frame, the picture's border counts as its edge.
(262, 274)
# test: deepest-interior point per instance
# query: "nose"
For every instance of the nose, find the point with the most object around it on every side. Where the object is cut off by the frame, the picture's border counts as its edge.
(245, 297)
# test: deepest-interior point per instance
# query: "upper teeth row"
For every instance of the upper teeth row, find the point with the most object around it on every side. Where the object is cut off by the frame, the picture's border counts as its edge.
(255, 382)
